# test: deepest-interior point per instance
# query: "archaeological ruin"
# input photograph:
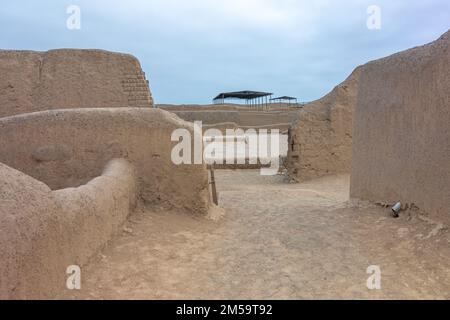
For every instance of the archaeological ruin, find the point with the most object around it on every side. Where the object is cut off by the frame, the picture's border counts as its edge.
(81, 129)
(87, 179)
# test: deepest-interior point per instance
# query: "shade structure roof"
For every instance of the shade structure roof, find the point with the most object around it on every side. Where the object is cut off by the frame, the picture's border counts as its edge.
(242, 95)
(284, 98)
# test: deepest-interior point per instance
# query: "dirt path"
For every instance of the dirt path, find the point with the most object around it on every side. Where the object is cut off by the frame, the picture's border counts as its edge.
(277, 241)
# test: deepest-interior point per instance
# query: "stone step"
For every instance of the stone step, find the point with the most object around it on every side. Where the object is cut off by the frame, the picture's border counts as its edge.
(138, 99)
(134, 77)
(138, 92)
(135, 88)
(140, 105)
(131, 81)
(139, 96)
(139, 102)
(134, 83)
(147, 105)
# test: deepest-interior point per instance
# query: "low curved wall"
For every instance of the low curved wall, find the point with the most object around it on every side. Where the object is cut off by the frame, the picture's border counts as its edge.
(43, 231)
(68, 148)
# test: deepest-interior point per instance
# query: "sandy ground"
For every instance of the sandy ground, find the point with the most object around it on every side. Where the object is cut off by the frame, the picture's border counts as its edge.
(276, 241)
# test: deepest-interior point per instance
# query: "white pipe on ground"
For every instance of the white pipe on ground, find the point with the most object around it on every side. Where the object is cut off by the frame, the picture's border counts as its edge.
(396, 209)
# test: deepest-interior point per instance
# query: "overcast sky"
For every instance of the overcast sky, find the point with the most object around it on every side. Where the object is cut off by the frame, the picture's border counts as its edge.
(192, 50)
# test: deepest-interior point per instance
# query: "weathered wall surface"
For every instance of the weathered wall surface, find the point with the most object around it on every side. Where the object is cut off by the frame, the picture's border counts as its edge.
(68, 78)
(209, 117)
(229, 107)
(321, 138)
(223, 127)
(43, 231)
(240, 118)
(68, 148)
(63, 128)
(401, 145)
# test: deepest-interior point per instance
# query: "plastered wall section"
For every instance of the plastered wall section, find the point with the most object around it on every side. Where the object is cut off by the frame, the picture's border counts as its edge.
(401, 148)
(68, 148)
(70, 78)
(43, 232)
(320, 140)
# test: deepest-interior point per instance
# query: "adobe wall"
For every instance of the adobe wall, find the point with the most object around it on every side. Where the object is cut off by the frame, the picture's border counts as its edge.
(401, 145)
(240, 118)
(68, 148)
(43, 231)
(320, 140)
(226, 107)
(209, 117)
(282, 127)
(70, 78)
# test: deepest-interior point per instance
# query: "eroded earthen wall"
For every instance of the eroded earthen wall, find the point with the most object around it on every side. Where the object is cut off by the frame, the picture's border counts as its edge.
(68, 148)
(43, 232)
(320, 141)
(58, 203)
(69, 78)
(401, 144)
(244, 118)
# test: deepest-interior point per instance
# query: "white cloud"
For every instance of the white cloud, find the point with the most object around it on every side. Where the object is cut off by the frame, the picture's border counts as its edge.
(249, 13)
(297, 47)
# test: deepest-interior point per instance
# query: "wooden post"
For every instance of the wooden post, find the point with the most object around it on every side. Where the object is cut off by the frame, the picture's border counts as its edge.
(213, 186)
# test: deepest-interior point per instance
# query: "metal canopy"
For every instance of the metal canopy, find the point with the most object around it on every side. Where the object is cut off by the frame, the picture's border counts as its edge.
(255, 99)
(242, 95)
(284, 98)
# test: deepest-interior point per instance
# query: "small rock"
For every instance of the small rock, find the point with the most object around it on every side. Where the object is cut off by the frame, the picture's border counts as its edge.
(402, 232)
(128, 230)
